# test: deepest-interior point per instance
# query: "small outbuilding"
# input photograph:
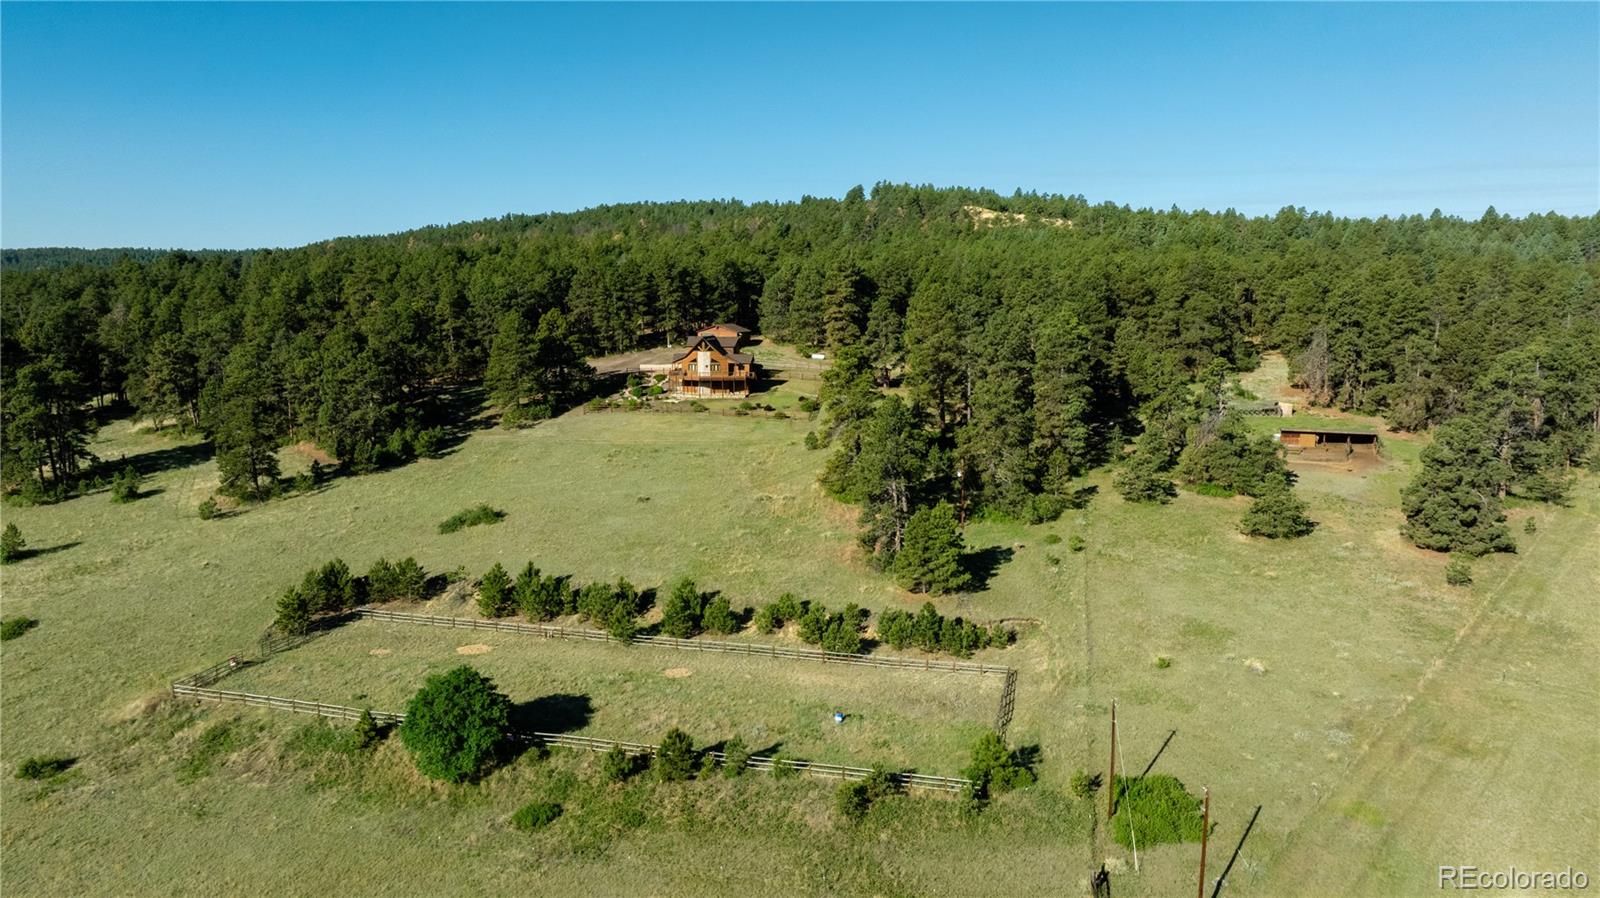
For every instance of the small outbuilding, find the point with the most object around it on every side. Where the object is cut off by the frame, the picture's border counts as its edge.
(1328, 442)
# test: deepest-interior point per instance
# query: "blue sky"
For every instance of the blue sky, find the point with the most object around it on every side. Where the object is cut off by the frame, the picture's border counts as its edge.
(201, 125)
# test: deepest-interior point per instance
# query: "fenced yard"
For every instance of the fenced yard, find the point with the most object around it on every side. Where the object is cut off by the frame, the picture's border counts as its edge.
(905, 718)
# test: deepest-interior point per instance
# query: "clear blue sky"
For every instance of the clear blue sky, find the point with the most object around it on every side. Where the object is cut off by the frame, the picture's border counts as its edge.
(200, 125)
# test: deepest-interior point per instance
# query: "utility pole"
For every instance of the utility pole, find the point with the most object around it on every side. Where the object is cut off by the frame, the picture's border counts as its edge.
(1111, 781)
(1205, 827)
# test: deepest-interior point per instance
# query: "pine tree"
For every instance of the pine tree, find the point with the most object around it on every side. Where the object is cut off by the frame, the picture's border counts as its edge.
(1276, 514)
(930, 558)
(933, 351)
(11, 543)
(511, 376)
(1453, 504)
(494, 593)
(1141, 478)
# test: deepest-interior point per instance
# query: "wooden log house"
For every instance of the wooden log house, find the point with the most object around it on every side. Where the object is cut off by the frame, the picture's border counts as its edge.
(711, 368)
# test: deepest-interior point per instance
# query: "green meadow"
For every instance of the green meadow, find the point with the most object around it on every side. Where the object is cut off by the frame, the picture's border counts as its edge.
(1383, 722)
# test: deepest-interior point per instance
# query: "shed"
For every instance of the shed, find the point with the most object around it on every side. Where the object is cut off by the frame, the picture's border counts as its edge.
(1328, 441)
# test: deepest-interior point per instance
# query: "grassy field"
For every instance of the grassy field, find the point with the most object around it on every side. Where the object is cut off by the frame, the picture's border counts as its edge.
(923, 720)
(1383, 722)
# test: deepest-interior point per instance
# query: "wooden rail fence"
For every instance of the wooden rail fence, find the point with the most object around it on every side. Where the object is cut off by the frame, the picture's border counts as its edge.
(552, 631)
(341, 712)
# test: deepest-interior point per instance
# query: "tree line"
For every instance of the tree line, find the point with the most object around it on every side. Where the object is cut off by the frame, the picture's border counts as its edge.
(1021, 354)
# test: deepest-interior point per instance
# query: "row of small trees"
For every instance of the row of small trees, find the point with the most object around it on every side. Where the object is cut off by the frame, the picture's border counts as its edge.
(455, 729)
(541, 597)
(933, 632)
(332, 588)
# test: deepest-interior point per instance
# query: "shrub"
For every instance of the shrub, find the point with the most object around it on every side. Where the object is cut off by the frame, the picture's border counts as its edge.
(808, 405)
(996, 768)
(1051, 539)
(41, 767)
(620, 623)
(494, 593)
(1458, 572)
(125, 485)
(699, 406)
(368, 731)
(895, 627)
(208, 509)
(852, 801)
(719, 618)
(1044, 508)
(782, 769)
(304, 482)
(616, 765)
(540, 597)
(1214, 490)
(12, 627)
(841, 631)
(813, 441)
(1076, 544)
(1531, 527)
(735, 755)
(1163, 662)
(535, 814)
(11, 543)
(1085, 784)
(471, 517)
(455, 723)
(1160, 807)
(675, 757)
(428, 442)
(680, 616)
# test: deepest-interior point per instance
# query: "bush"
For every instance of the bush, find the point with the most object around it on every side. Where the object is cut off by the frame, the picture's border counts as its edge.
(1085, 784)
(699, 406)
(208, 509)
(494, 593)
(675, 757)
(852, 801)
(1214, 490)
(535, 814)
(1051, 539)
(719, 618)
(1531, 527)
(1076, 544)
(616, 765)
(125, 485)
(1160, 807)
(1458, 572)
(368, 731)
(455, 723)
(996, 768)
(12, 627)
(11, 543)
(540, 598)
(43, 767)
(809, 406)
(304, 482)
(1044, 508)
(1163, 662)
(735, 755)
(782, 769)
(813, 441)
(471, 517)
(428, 442)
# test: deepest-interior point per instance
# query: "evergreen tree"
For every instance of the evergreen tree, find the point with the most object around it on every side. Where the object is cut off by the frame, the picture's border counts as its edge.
(930, 559)
(1276, 514)
(933, 352)
(1453, 504)
(495, 597)
(675, 757)
(1141, 478)
(680, 616)
(11, 543)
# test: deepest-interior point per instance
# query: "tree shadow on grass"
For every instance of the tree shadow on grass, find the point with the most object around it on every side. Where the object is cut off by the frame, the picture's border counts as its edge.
(983, 564)
(158, 460)
(561, 712)
(26, 554)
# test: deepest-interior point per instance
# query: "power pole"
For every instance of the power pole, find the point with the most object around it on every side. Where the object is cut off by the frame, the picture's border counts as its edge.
(1205, 827)
(1111, 781)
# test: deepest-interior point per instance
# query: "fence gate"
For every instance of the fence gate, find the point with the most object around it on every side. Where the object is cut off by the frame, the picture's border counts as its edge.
(1008, 703)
